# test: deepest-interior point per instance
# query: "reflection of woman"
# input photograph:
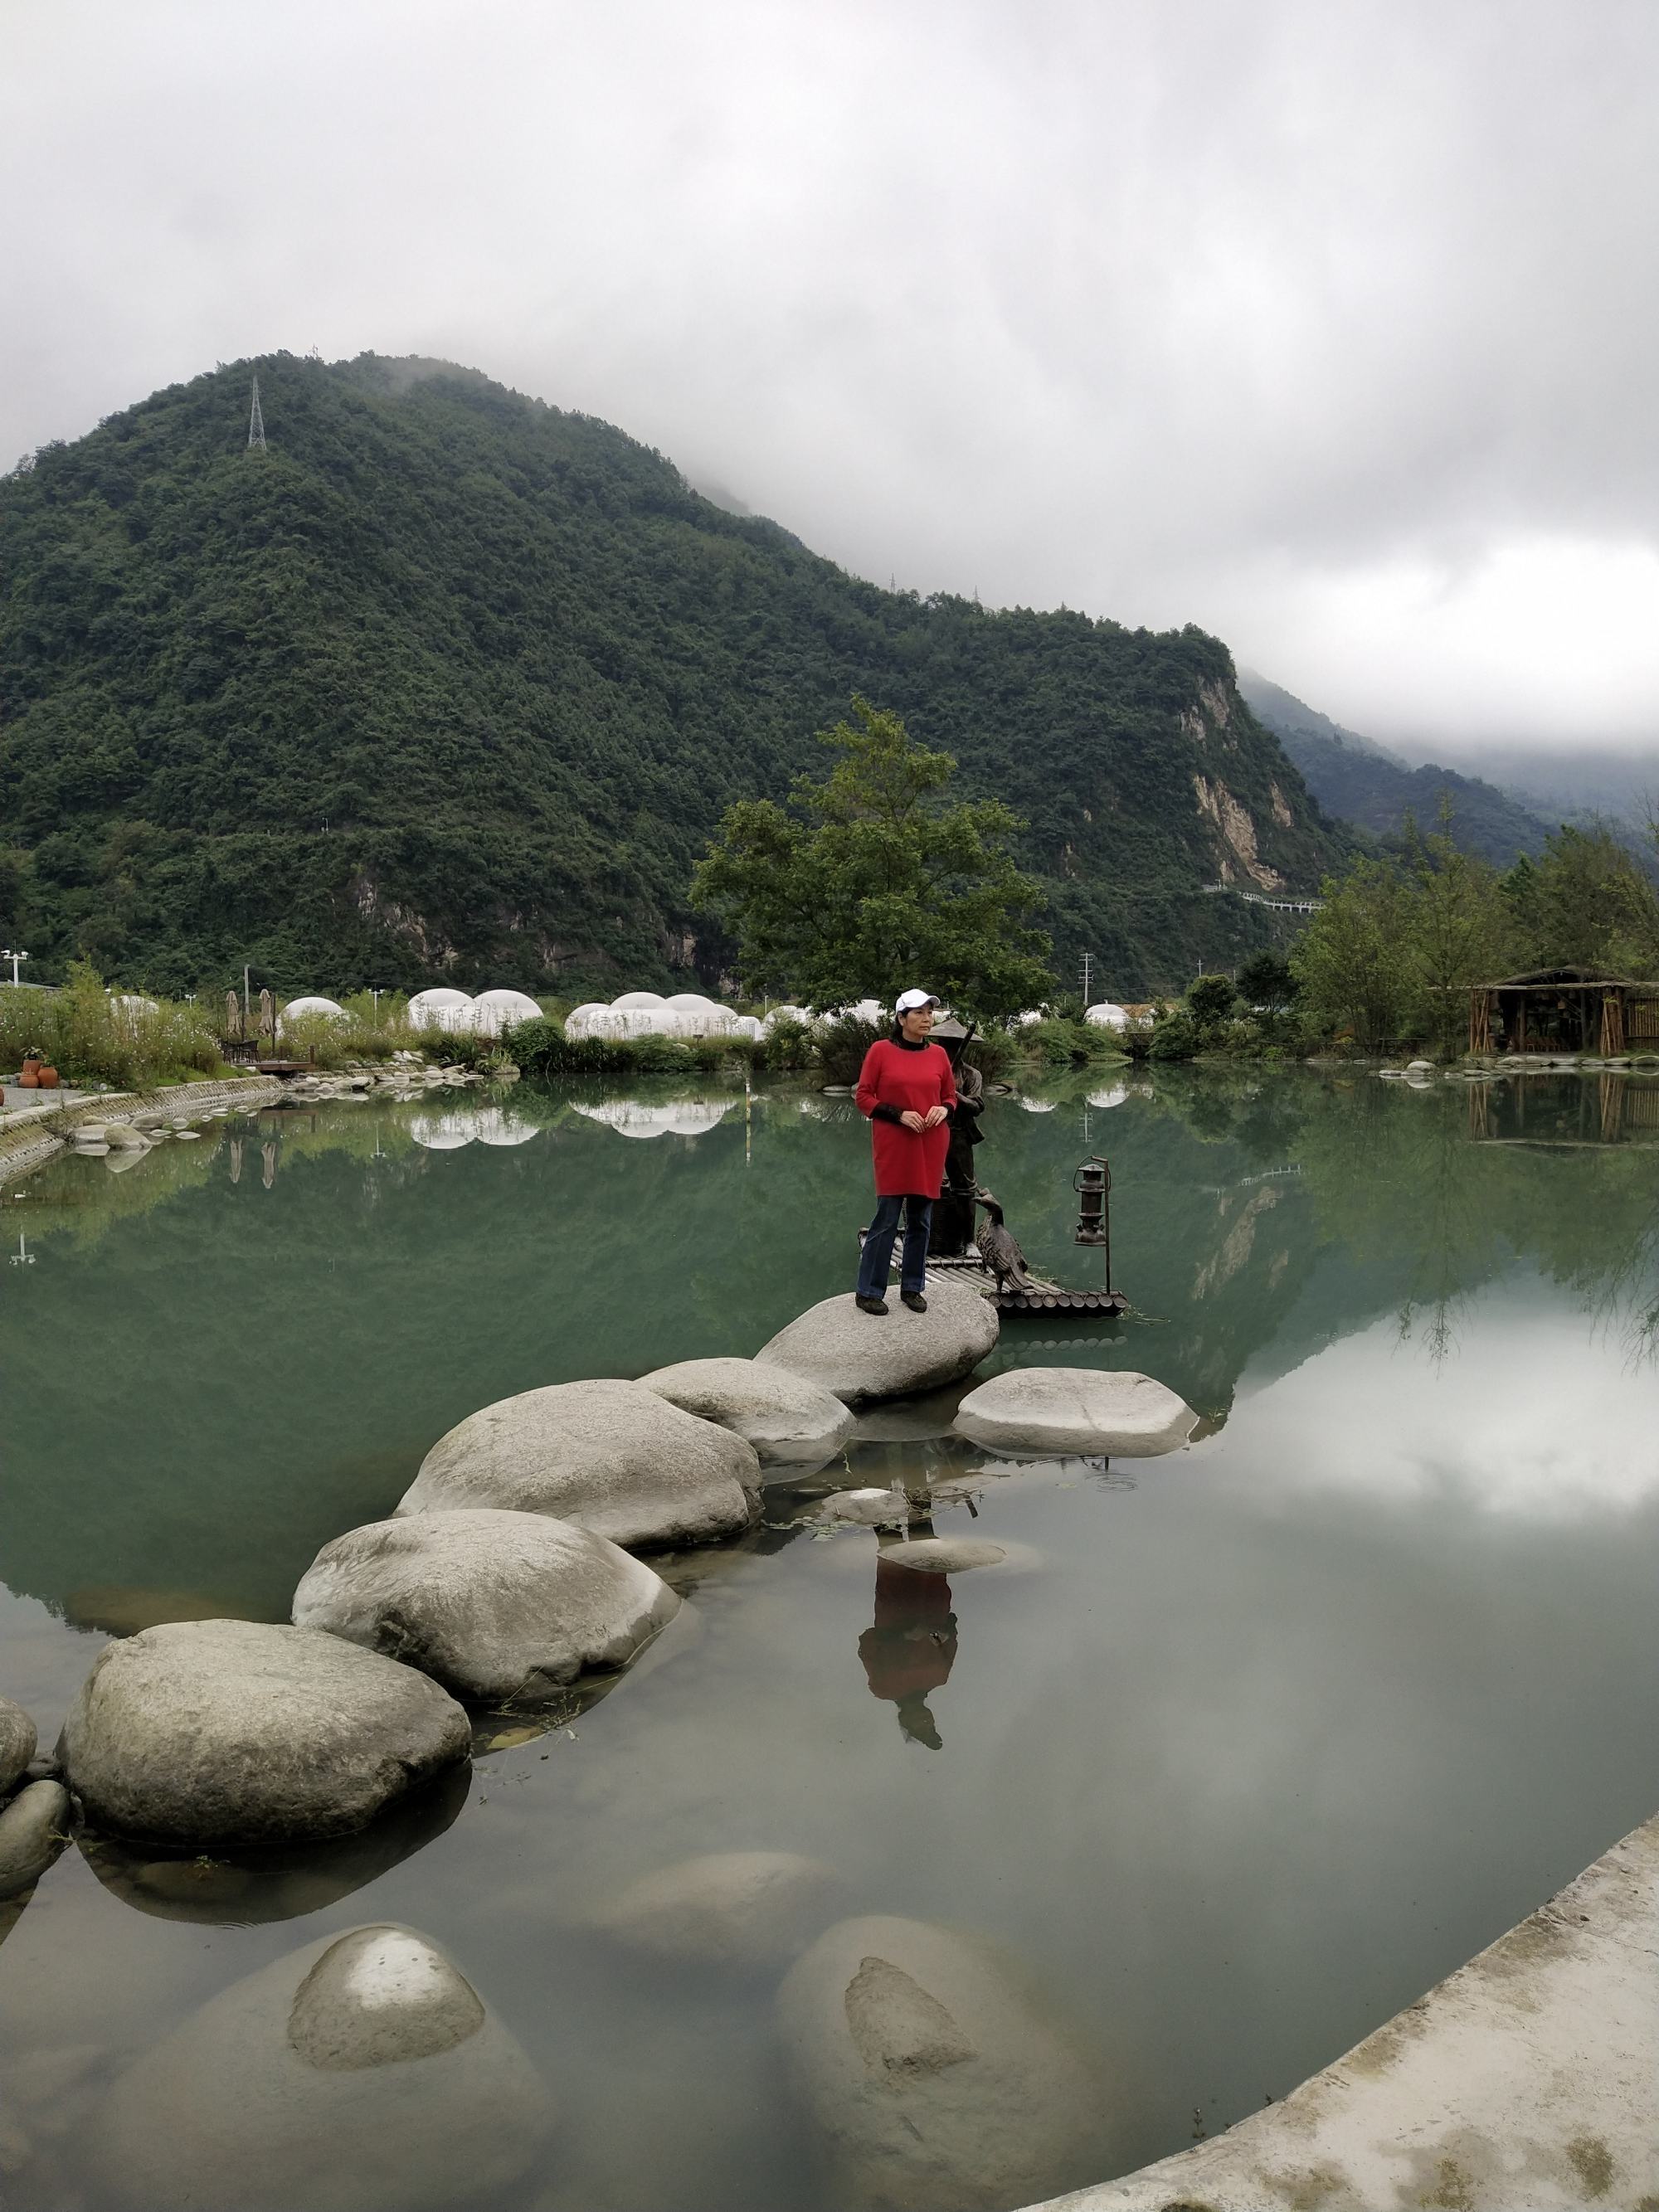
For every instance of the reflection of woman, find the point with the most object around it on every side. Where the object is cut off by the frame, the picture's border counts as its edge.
(906, 1091)
(911, 1645)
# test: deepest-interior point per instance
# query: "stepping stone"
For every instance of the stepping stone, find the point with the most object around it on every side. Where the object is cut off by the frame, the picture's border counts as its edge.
(1075, 1411)
(496, 1606)
(789, 1420)
(240, 1731)
(860, 1356)
(611, 1457)
(945, 1555)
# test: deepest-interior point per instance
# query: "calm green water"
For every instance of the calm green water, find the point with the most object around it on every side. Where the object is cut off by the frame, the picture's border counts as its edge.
(1264, 1738)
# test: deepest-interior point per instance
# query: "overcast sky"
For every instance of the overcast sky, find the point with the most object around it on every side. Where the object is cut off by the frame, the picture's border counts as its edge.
(1329, 324)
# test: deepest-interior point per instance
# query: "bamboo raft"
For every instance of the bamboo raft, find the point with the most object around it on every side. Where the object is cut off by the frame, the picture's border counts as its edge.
(1042, 1298)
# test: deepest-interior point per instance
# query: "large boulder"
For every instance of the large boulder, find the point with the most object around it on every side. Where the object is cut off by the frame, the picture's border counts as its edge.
(360, 2074)
(742, 1910)
(496, 1606)
(613, 1457)
(16, 1742)
(1085, 1412)
(238, 1731)
(33, 1829)
(860, 1356)
(939, 2083)
(789, 1420)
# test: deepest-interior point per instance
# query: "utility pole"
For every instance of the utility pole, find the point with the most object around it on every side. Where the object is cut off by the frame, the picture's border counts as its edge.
(16, 960)
(244, 1002)
(256, 422)
(1088, 980)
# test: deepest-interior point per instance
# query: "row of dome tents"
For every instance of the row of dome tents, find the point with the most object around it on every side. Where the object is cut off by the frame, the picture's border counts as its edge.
(486, 1016)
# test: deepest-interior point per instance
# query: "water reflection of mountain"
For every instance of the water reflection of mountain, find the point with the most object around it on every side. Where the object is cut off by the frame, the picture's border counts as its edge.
(222, 1374)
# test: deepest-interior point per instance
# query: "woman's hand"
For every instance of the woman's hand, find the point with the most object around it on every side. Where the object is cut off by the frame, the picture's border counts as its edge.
(935, 1115)
(913, 1121)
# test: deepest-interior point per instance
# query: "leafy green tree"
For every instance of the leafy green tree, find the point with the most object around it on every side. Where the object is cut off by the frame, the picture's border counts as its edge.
(867, 882)
(1266, 979)
(1459, 929)
(1211, 999)
(1352, 965)
(1593, 905)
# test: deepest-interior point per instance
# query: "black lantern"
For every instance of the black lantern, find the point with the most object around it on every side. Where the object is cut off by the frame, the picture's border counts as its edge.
(1091, 1182)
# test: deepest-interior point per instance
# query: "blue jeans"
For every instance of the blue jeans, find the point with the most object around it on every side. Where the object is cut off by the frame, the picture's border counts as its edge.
(878, 1245)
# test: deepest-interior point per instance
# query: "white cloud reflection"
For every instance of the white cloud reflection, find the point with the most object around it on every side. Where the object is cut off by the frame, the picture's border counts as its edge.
(1529, 1414)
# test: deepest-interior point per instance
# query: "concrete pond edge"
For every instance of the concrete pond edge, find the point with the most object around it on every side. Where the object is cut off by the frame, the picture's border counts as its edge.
(32, 1135)
(1529, 2078)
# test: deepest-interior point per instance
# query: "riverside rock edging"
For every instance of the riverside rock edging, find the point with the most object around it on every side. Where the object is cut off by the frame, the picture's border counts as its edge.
(1529, 2076)
(32, 1135)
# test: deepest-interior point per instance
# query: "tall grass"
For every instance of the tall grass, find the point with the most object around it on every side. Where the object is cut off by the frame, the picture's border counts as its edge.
(88, 1038)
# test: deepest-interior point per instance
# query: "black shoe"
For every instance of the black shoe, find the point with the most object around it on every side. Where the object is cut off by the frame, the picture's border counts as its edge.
(871, 1305)
(914, 1300)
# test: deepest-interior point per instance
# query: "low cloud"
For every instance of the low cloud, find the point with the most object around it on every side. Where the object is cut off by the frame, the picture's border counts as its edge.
(1330, 328)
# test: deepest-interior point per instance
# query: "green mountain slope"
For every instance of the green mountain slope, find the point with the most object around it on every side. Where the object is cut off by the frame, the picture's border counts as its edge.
(448, 682)
(1360, 781)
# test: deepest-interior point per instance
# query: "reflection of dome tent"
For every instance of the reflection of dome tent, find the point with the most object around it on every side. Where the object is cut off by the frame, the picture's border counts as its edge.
(495, 1011)
(636, 1117)
(1038, 1105)
(444, 1133)
(496, 1127)
(1113, 1095)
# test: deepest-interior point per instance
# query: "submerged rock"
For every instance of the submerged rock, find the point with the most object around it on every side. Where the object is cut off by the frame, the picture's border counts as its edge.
(1085, 1412)
(788, 1419)
(239, 1731)
(939, 2083)
(34, 1829)
(610, 1456)
(861, 1356)
(17, 1742)
(739, 1910)
(946, 1555)
(496, 1606)
(360, 2074)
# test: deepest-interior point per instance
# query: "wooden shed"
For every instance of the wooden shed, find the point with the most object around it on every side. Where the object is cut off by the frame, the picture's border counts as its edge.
(1564, 1010)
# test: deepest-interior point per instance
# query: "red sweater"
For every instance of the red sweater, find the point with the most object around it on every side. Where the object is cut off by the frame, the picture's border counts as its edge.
(909, 1079)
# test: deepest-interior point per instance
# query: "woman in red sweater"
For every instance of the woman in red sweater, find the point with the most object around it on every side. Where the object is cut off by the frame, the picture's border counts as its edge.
(907, 1090)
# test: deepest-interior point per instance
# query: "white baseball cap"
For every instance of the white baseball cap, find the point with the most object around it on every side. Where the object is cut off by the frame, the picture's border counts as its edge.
(908, 1001)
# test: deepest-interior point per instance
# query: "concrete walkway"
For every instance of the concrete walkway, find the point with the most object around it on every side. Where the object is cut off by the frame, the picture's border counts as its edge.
(1526, 2081)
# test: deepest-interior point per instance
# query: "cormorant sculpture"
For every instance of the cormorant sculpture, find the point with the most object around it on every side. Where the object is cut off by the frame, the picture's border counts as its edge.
(998, 1247)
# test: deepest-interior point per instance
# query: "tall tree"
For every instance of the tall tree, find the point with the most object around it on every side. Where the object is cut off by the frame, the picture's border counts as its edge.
(1459, 927)
(1352, 963)
(867, 882)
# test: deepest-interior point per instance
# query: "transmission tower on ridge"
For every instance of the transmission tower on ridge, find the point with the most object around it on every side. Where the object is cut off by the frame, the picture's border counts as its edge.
(256, 423)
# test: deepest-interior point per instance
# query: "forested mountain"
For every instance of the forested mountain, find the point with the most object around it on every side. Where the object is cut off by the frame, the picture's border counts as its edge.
(1358, 780)
(447, 682)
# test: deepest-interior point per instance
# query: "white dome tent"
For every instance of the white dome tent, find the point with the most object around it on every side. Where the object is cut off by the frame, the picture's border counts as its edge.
(132, 1006)
(299, 1010)
(442, 1009)
(1106, 1015)
(686, 1015)
(495, 1011)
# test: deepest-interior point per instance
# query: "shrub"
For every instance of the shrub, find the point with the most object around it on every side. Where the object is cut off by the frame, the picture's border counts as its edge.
(842, 1045)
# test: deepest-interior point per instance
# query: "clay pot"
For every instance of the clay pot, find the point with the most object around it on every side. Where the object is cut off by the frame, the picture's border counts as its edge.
(29, 1076)
(47, 1078)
